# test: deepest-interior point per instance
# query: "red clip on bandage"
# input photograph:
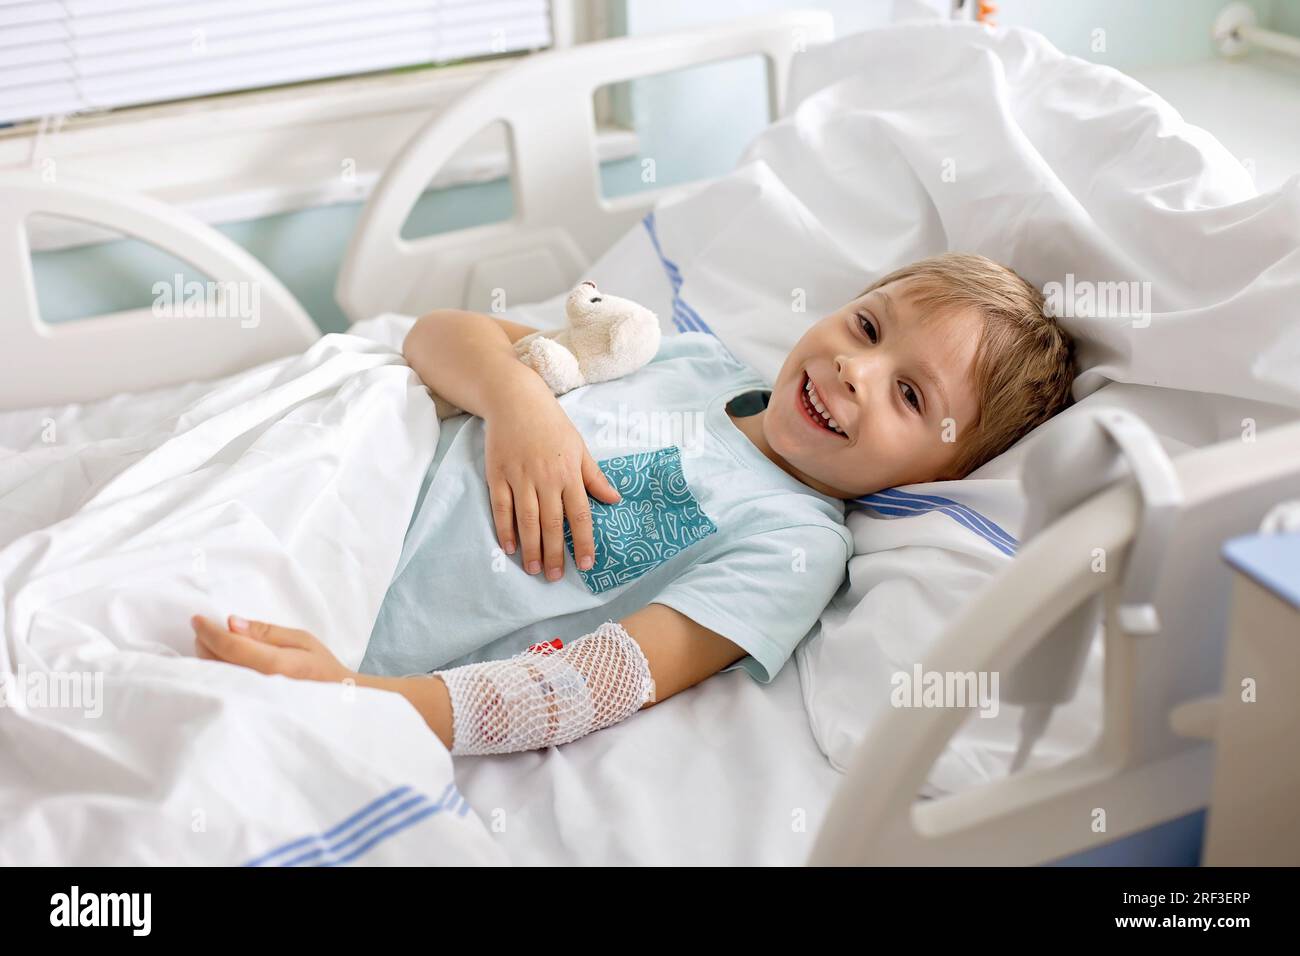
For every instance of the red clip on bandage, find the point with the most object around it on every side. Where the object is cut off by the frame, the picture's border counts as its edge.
(546, 647)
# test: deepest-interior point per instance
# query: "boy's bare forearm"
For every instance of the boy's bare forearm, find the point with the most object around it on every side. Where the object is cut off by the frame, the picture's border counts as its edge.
(428, 695)
(468, 360)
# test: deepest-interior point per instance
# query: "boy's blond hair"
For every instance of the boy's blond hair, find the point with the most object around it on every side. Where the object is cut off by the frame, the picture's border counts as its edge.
(1024, 363)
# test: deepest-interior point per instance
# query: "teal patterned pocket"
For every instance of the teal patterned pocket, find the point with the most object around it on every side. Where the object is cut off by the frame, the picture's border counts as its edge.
(657, 519)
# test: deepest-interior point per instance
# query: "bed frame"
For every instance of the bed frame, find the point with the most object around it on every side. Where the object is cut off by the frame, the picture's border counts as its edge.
(1152, 762)
(1153, 759)
(48, 364)
(561, 221)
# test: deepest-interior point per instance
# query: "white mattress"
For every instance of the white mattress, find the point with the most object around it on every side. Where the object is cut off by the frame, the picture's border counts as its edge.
(726, 772)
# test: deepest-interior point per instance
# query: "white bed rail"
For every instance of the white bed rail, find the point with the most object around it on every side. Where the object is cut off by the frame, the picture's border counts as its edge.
(561, 221)
(1140, 772)
(140, 349)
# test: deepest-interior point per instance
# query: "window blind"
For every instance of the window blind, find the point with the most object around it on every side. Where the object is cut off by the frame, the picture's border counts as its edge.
(59, 57)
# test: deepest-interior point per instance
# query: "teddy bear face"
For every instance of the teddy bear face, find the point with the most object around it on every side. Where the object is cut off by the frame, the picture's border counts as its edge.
(586, 305)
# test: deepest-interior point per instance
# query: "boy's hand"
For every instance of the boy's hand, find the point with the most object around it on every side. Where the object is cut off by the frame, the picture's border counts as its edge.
(539, 472)
(267, 648)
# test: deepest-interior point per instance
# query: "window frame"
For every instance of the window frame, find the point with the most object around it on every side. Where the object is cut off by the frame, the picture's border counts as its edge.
(202, 154)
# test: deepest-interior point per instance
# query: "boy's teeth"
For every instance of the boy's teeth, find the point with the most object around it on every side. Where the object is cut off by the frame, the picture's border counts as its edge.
(815, 403)
(816, 400)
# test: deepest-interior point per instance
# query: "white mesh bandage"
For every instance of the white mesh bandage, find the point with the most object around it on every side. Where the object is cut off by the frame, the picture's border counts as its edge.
(540, 698)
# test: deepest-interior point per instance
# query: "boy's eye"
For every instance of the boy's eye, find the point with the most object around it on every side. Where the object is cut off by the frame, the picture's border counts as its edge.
(910, 396)
(868, 327)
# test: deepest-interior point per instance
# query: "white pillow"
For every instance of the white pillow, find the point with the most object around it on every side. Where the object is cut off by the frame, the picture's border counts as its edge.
(915, 139)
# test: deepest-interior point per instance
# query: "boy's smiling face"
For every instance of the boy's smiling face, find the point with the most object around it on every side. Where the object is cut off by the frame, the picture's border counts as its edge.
(891, 377)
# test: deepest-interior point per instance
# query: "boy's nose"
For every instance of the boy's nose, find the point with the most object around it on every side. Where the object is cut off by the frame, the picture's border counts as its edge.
(856, 373)
(846, 371)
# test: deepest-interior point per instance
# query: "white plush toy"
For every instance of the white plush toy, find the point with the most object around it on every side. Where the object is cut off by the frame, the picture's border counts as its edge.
(606, 337)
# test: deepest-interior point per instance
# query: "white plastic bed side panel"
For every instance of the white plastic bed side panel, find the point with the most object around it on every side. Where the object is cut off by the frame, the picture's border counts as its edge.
(137, 350)
(1142, 778)
(545, 103)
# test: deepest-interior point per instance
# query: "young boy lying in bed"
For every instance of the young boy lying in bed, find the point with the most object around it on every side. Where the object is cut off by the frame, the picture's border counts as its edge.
(717, 551)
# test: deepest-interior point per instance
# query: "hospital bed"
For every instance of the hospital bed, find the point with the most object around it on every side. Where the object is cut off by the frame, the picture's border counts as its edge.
(729, 771)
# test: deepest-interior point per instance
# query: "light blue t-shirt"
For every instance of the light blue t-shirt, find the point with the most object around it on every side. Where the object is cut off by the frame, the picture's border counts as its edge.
(708, 525)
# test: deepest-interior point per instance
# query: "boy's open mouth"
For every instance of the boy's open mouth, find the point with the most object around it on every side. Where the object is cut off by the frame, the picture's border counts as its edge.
(815, 411)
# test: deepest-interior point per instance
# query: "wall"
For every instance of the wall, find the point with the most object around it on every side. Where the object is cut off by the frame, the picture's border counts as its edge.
(691, 125)
(1146, 33)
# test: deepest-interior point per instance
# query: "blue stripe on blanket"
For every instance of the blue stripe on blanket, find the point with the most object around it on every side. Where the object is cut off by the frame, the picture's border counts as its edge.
(374, 823)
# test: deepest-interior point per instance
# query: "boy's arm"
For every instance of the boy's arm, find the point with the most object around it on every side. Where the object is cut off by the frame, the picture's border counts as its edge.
(538, 469)
(468, 358)
(679, 652)
(428, 695)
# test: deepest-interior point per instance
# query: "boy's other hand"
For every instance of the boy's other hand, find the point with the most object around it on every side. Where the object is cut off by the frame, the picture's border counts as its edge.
(539, 472)
(267, 648)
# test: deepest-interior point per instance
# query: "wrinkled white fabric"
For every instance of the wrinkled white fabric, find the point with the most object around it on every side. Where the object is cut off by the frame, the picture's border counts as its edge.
(906, 142)
(280, 493)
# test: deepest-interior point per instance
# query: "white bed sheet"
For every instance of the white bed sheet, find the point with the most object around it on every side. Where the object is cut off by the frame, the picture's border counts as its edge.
(727, 772)
(263, 494)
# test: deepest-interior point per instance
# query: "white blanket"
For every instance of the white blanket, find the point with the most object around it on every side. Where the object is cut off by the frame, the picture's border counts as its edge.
(283, 493)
